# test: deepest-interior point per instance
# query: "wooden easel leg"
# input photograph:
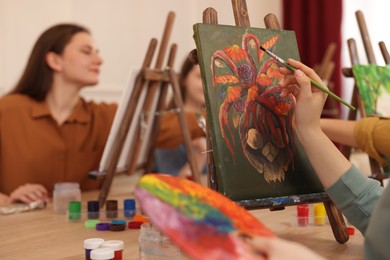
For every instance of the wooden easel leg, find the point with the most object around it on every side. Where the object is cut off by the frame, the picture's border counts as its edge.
(152, 89)
(155, 126)
(124, 128)
(184, 126)
(118, 145)
(337, 222)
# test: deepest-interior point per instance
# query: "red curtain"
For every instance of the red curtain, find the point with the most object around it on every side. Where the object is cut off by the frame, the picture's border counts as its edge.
(316, 23)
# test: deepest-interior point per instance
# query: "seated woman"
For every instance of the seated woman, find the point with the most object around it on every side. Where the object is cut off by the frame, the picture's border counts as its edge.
(48, 133)
(170, 155)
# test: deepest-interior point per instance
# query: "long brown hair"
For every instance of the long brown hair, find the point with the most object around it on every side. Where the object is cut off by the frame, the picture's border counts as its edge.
(37, 77)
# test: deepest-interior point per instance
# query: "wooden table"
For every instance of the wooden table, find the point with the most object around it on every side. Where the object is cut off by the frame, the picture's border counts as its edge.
(43, 234)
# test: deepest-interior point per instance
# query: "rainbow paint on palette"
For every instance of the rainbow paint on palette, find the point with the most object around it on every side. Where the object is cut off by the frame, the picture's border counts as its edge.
(202, 222)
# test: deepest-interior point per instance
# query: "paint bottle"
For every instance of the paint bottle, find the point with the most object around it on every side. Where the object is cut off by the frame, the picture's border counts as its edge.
(117, 246)
(102, 254)
(74, 210)
(129, 208)
(303, 214)
(319, 214)
(93, 209)
(63, 193)
(155, 245)
(90, 244)
(111, 209)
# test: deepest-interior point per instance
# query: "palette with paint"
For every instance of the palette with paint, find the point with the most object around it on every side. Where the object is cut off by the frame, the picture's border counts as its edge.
(202, 222)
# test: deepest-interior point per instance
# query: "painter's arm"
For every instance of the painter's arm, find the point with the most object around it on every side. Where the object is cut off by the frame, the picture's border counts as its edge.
(329, 164)
(326, 159)
(339, 131)
(355, 194)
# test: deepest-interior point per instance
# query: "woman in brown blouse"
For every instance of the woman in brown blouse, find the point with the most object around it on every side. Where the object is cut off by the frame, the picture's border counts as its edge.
(48, 133)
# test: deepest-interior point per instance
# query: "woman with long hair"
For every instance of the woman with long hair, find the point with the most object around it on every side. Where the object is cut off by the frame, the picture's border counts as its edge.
(48, 132)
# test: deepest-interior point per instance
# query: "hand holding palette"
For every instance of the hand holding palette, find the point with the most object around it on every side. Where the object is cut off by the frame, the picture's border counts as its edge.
(202, 222)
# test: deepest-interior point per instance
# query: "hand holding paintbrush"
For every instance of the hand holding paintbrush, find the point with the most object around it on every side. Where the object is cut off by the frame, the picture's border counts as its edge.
(310, 99)
(315, 83)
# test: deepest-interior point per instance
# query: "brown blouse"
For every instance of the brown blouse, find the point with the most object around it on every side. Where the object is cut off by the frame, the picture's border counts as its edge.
(34, 149)
(170, 135)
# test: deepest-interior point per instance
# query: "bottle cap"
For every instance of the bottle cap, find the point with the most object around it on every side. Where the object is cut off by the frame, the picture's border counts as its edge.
(129, 204)
(111, 205)
(103, 226)
(92, 243)
(119, 221)
(139, 218)
(91, 223)
(351, 231)
(303, 210)
(74, 206)
(134, 224)
(93, 206)
(102, 253)
(117, 227)
(66, 185)
(114, 244)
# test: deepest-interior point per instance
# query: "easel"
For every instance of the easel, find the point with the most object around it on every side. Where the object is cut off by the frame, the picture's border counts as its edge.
(376, 169)
(153, 80)
(325, 70)
(335, 217)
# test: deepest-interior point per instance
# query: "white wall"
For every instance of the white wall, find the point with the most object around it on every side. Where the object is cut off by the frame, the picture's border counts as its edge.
(122, 29)
(375, 14)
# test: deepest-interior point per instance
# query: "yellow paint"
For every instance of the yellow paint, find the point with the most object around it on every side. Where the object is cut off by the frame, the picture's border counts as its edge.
(319, 214)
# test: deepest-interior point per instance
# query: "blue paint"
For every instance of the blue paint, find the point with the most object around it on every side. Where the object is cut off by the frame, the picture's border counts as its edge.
(129, 208)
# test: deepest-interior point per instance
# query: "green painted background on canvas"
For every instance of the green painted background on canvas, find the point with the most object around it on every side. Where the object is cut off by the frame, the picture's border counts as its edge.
(373, 83)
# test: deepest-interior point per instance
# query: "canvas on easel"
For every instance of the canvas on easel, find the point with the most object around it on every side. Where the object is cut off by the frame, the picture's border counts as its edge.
(373, 82)
(256, 151)
(245, 134)
(114, 131)
(357, 101)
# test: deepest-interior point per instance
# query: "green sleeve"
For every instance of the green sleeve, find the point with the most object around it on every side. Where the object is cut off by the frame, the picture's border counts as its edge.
(377, 234)
(355, 195)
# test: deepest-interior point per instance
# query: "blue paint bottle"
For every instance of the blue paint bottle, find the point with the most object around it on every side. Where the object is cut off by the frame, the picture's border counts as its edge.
(129, 208)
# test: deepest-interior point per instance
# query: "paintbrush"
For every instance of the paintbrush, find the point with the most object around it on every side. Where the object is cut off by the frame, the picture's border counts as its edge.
(318, 85)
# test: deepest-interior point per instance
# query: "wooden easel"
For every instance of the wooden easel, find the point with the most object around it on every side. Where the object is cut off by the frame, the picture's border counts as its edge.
(335, 217)
(325, 70)
(155, 79)
(376, 169)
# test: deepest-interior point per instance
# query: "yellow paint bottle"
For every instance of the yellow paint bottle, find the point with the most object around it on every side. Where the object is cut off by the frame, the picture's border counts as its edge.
(319, 214)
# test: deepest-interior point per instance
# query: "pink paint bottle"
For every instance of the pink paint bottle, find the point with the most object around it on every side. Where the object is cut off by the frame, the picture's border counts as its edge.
(117, 246)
